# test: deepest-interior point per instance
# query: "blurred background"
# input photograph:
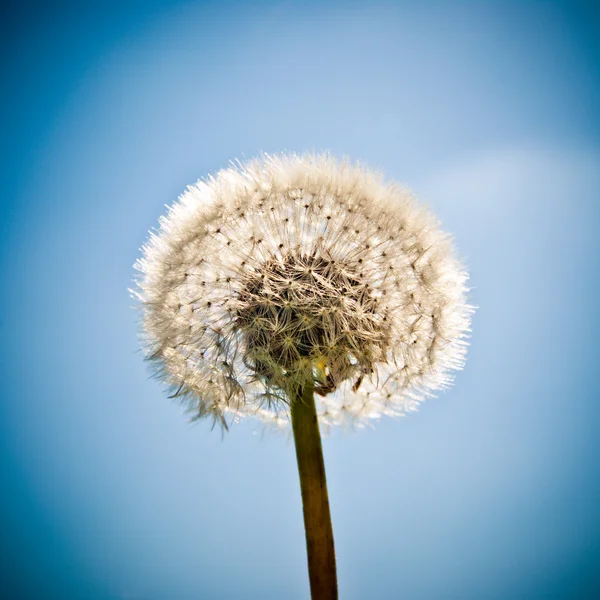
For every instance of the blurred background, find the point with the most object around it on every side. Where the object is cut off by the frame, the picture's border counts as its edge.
(489, 111)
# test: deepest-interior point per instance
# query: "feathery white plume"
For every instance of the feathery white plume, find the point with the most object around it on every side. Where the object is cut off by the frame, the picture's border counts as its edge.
(293, 267)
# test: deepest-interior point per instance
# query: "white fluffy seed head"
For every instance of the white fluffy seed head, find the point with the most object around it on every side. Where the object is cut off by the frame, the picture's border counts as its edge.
(290, 268)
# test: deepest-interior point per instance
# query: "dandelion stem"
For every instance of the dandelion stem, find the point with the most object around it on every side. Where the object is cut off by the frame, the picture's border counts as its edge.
(315, 501)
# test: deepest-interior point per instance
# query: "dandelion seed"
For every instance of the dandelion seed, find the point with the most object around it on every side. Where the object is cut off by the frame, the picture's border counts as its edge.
(299, 260)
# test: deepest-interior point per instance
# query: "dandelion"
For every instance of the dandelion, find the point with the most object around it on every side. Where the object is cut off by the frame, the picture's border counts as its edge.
(294, 276)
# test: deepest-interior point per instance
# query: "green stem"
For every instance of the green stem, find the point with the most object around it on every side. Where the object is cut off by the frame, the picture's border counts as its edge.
(315, 501)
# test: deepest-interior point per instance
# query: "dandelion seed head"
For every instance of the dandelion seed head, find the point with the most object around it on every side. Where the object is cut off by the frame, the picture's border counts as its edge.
(294, 268)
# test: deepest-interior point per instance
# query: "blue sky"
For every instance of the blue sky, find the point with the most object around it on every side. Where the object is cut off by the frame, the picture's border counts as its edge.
(488, 111)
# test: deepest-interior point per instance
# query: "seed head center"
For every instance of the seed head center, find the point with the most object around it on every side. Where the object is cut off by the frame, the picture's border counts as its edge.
(308, 314)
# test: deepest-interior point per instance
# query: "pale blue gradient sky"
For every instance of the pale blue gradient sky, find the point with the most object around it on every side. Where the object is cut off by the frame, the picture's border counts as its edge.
(488, 111)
